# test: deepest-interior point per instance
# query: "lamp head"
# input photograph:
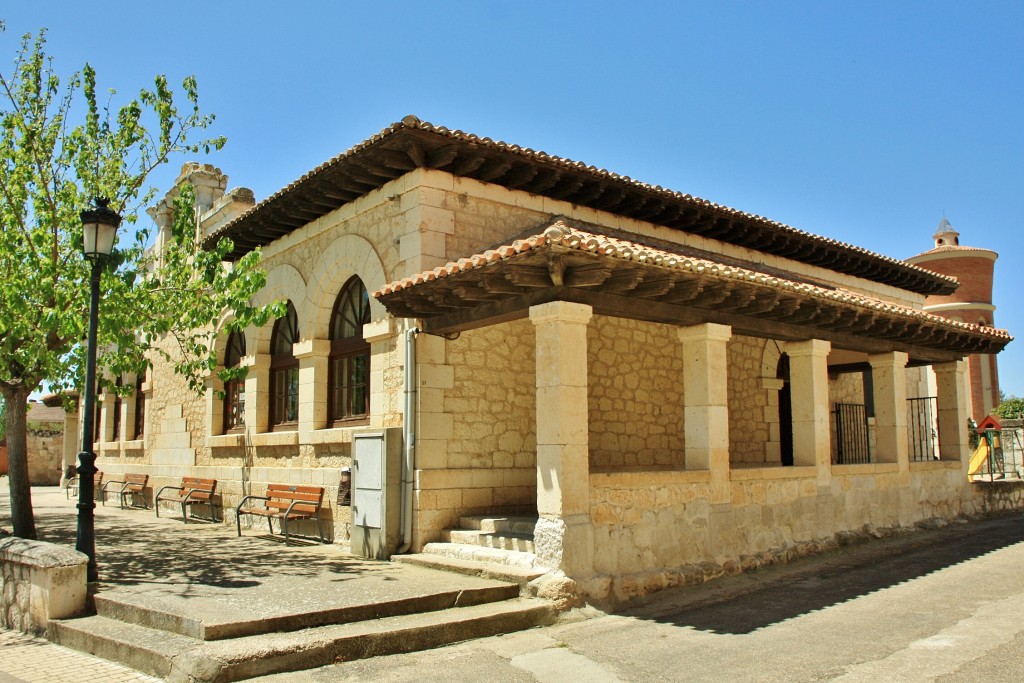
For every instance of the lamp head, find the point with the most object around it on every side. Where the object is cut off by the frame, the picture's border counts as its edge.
(99, 229)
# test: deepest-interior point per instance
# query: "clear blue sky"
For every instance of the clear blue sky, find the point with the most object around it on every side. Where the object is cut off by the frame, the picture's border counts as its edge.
(863, 121)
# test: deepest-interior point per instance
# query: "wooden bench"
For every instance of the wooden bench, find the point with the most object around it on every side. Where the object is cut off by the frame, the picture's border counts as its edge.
(193, 491)
(286, 503)
(131, 486)
(72, 483)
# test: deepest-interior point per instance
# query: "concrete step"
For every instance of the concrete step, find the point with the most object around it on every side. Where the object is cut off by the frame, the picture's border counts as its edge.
(140, 610)
(486, 539)
(522, 526)
(487, 570)
(465, 551)
(179, 658)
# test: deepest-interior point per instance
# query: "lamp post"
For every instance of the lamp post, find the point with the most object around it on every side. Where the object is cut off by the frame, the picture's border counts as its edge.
(99, 227)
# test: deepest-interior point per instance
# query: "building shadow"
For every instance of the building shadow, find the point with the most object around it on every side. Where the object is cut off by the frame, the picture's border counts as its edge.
(772, 596)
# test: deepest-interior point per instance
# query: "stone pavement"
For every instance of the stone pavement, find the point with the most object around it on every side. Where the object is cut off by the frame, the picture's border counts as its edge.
(225, 584)
(24, 659)
(940, 606)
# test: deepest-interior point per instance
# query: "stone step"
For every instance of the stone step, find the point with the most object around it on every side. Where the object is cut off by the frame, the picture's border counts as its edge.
(487, 570)
(522, 526)
(466, 551)
(179, 658)
(139, 610)
(503, 541)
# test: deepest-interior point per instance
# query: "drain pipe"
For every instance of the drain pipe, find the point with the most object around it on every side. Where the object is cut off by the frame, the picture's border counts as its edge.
(408, 438)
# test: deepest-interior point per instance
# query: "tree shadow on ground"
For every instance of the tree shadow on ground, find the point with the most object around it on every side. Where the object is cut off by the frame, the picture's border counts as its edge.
(816, 583)
(141, 552)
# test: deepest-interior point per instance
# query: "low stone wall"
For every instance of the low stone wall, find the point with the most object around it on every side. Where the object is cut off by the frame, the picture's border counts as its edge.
(38, 582)
(654, 530)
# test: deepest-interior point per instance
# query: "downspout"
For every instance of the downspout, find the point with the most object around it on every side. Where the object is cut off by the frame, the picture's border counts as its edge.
(408, 438)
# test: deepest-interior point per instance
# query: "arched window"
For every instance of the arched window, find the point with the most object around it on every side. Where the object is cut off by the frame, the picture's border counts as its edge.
(348, 377)
(234, 389)
(117, 410)
(284, 372)
(140, 409)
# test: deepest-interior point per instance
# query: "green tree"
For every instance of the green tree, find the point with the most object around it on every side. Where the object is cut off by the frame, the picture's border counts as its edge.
(59, 149)
(1010, 408)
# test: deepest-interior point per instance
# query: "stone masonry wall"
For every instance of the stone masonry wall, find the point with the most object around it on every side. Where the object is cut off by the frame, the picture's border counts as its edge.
(635, 392)
(45, 447)
(748, 401)
(493, 402)
(654, 530)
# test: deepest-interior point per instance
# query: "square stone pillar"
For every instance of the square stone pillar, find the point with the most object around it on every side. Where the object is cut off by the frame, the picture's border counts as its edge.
(564, 535)
(214, 403)
(706, 399)
(384, 337)
(313, 356)
(951, 406)
(808, 381)
(889, 378)
(106, 411)
(257, 392)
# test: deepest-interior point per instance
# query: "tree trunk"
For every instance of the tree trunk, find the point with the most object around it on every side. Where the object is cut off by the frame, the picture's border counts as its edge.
(16, 411)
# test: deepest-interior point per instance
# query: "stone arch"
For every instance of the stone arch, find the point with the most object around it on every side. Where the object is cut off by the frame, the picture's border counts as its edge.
(344, 257)
(779, 434)
(283, 282)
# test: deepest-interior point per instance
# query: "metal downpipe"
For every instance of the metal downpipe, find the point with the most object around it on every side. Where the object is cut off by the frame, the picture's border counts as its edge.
(408, 438)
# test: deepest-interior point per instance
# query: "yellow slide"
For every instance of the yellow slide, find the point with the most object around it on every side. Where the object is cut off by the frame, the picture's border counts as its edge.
(978, 459)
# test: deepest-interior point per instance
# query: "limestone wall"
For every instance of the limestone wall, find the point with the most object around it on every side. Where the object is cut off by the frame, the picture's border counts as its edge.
(658, 529)
(635, 387)
(750, 409)
(45, 447)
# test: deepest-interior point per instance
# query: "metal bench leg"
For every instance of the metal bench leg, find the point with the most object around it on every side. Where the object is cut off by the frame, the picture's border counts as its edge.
(284, 528)
(238, 521)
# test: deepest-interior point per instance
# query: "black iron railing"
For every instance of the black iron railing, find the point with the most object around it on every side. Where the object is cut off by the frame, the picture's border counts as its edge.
(921, 428)
(852, 442)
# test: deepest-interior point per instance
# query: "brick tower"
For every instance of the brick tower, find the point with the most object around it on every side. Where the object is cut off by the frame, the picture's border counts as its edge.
(970, 303)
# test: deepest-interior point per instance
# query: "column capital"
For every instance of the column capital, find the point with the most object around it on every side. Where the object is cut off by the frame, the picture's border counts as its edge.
(256, 361)
(379, 330)
(883, 360)
(950, 367)
(810, 347)
(561, 311)
(311, 348)
(705, 331)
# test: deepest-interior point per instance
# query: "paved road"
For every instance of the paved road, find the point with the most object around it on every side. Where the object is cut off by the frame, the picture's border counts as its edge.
(945, 606)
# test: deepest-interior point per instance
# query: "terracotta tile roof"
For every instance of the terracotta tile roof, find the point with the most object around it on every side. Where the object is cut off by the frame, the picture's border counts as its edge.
(38, 412)
(271, 218)
(952, 247)
(562, 234)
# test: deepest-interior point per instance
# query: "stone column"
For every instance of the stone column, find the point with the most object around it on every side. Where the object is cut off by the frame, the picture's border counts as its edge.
(214, 403)
(107, 423)
(951, 391)
(808, 381)
(382, 335)
(72, 442)
(889, 378)
(706, 398)
(564, 535)
(313, 357)
(257, 392)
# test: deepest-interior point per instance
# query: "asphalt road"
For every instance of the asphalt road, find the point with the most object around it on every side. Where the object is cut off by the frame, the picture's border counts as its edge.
(944, 605)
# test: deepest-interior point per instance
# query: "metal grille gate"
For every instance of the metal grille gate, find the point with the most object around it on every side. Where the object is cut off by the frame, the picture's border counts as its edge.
(852, 444)
(921, 425)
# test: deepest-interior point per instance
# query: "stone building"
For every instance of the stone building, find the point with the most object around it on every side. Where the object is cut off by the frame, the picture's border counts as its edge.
(660, 382)
(971, 302)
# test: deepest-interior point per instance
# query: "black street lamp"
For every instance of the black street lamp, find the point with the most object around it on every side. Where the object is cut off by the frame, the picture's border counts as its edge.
(99, 226)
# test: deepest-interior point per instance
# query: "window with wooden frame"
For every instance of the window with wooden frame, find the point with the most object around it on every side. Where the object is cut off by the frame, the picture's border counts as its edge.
(234, 389)
(117, 410)
(140, 410)
(348, 395)
(284, 373)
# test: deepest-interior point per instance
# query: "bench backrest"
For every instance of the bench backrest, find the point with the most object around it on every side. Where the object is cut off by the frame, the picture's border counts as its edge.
(283, 495)
(195, 483)
(136, 479)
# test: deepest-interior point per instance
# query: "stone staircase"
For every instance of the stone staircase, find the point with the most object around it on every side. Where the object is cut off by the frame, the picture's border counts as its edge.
(499, 548)
(165, 640)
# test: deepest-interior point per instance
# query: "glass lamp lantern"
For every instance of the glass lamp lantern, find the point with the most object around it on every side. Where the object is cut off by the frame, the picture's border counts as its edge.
(99, 229)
